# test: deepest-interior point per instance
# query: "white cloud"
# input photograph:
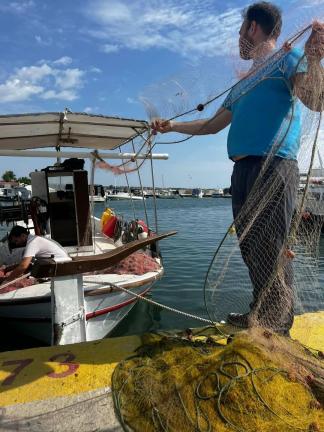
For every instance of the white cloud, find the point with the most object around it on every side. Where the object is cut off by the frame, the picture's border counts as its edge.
(33, 73)
(132, 101)
(70, 78)
(17, 6)
(107, 48)
(64, 61)
(61, 95)
(42, 41)
(43, 81)
(14, 90)
(95, 70)
(187, 27)
(310, 3)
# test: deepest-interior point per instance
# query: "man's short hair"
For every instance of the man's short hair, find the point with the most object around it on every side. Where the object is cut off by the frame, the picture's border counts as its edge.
(17, 231)
(267, 15)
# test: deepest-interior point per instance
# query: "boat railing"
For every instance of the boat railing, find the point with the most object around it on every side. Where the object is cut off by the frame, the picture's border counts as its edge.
(44, 268)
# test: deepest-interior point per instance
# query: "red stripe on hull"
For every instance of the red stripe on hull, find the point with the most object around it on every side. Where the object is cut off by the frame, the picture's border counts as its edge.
(115, 307)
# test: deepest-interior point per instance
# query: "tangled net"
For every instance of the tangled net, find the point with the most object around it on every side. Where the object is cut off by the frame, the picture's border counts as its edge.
(275, 246)
(258, 382)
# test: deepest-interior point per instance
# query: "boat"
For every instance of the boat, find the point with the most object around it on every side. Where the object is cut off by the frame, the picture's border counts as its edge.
(218, 193)
(79, 300)
(185, 193)
(167, 194)
(97, 193)
(13, 195)
(197, 193)
(315, 197)
(118, 196)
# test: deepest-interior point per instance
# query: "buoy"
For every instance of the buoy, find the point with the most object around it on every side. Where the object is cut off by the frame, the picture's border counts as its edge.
(143, 225)
(106, 215)
(109, 228)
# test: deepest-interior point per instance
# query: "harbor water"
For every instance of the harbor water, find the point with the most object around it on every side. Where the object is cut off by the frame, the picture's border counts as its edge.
(200, 225)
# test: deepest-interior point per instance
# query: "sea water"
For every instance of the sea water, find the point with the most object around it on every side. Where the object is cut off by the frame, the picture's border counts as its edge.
(201, 225)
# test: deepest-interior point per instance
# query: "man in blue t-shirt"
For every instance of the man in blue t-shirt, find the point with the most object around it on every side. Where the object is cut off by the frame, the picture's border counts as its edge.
(264, 137)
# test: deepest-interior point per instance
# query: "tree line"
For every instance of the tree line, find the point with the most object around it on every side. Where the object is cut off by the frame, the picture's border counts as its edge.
(9, 176)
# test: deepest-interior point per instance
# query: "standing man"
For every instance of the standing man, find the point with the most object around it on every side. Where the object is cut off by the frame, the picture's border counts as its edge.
(264, 137)
(35, 247)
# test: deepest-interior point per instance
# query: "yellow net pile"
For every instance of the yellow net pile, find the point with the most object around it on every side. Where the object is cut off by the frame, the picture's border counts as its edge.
(258, 381)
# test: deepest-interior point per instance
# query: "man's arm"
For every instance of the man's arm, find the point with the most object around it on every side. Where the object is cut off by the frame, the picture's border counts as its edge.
(19, 270)
(218, 122)
(309, 86)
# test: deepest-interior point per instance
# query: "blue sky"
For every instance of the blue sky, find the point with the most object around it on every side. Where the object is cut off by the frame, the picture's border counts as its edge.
(106, 56)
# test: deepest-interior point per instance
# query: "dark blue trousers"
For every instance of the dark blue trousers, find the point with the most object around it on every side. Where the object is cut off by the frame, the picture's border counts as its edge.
(268, 201)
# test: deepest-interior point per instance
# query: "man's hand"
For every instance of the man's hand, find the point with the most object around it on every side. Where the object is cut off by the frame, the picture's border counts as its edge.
(218, 122)
(309, 86)
(19, 270)
(162, 126)
(314, 47)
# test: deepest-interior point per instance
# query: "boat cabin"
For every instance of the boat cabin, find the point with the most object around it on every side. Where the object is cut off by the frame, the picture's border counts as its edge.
(62, 206)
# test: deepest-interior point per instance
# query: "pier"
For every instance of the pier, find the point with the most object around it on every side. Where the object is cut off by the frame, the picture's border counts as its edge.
(68, 388)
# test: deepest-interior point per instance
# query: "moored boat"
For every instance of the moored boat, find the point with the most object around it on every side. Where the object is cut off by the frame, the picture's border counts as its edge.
(83, 299)
(121, 196)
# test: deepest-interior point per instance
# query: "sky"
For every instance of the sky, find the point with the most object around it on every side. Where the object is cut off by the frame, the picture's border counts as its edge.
(132, 59)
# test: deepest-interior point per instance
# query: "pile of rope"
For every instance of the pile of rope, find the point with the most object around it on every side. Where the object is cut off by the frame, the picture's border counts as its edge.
(258, 381)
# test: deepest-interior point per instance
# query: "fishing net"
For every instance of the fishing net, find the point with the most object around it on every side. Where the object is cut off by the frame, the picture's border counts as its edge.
(277, 226)
(265, 268)
(135, 153)
(201, 385)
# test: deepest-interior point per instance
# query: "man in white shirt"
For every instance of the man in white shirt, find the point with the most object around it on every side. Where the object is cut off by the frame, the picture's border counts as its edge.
(35, 246)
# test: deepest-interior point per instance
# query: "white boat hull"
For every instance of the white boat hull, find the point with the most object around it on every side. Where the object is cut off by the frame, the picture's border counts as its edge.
(105, 306)
(98, 199)
(124, 196)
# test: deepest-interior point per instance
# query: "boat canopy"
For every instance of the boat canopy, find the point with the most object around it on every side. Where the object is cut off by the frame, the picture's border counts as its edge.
(66, 129)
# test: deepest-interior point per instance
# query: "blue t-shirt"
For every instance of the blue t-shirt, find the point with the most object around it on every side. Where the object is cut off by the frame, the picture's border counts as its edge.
(264, 112)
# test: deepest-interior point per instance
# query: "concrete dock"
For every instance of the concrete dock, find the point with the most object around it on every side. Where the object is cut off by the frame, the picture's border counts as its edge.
(67, 388)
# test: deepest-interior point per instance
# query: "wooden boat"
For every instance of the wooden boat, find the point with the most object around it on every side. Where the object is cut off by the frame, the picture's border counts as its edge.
(77, 300)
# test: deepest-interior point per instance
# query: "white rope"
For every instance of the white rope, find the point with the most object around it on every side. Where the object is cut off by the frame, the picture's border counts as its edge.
(140, 297)
(168, 308)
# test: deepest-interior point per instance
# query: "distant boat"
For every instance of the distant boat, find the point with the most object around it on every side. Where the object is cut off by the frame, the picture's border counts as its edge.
(166, 194)
(119, 196)
(186, 193)
(315, 197)
(197, 193)
(219, 193)
(98, 193)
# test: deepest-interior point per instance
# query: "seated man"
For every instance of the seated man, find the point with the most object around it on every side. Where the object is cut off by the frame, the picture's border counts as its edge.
(35, 246)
